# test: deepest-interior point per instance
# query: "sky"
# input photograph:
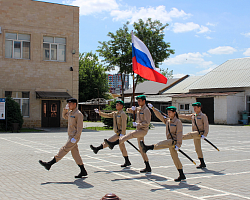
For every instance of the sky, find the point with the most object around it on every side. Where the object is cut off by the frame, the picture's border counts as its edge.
(204, 34)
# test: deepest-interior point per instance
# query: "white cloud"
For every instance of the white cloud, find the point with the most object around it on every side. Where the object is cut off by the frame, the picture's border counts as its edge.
(247, 52)
(190, 26)
(178, 75)
(205, 71)
(222, 50)
(246, 34)
(210, 24)
(88, 7)
(189, 58)
(156, 13)
(209, 38)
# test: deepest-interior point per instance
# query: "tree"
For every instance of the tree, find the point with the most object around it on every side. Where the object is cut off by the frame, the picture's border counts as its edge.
(93, 81)
(166, 73)
(109, 121)
(13, 114)
(118, 50)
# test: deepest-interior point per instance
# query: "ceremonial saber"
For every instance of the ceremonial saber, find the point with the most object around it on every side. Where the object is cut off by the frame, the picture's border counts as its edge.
(133, 146)
(211, 143)
(186, 156)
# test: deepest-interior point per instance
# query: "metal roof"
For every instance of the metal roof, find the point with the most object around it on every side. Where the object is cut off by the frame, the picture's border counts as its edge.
(150, 87)
(211, 94)
(231, 74)
(181, 87)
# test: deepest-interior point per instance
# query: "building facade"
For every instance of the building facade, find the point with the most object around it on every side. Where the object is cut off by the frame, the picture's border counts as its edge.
(39, 52)
(115, 83)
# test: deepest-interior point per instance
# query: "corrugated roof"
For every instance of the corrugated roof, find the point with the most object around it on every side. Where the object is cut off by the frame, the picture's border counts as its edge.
(181, 87)
(233, 73)
(211, 94)
(150, 87)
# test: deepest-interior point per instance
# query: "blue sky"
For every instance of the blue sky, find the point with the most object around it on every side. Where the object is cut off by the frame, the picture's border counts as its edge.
(204, 34)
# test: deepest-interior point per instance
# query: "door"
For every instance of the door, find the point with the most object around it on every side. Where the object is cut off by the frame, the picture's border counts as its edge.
(207, 108)
(50, 113)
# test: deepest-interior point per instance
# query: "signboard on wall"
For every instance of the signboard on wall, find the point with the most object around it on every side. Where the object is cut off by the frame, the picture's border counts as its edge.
(2, 108)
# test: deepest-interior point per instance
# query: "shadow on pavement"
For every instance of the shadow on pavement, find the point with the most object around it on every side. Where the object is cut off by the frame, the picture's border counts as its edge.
(207, 171)
(181, 185)
(79, 182)
(143, 177)
(125, 170)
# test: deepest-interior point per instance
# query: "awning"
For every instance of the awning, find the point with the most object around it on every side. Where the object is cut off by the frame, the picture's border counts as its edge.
(52, 95)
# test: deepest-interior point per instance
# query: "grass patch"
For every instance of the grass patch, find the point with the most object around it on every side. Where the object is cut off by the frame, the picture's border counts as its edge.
(104, 128)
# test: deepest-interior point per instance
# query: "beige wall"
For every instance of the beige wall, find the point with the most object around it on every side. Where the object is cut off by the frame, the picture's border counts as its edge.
(39, 19)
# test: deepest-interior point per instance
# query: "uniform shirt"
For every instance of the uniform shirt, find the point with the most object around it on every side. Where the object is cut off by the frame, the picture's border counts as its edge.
(143, 117)
(202, 123)
(175, 127)
(119, 121)
(75, 122)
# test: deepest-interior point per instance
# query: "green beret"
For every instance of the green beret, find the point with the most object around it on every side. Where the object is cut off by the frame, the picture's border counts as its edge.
(196, 104)
(172, 108)
(143, 97)
(120, 102)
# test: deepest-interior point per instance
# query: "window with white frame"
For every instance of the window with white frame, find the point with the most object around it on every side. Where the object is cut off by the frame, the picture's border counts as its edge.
(54, 48)
(22, 98)
(17, 45)
(184, 107)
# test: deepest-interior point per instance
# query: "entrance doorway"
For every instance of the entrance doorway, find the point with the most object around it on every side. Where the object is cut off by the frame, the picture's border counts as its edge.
(50, 113)
(207, 108)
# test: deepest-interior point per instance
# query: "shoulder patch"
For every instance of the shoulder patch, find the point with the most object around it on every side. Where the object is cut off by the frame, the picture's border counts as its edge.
(73, 116)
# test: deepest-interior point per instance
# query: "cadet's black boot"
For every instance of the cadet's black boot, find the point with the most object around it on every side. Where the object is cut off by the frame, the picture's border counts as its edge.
(145, 148)
(202, 165)
(96, 149)
(48, 165)
(147, 168)
(111, 144)
(82, 173)
(181, 176)
(127, 162)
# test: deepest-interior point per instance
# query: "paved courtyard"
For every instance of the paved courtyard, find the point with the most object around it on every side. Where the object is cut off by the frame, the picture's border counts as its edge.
(227, 175)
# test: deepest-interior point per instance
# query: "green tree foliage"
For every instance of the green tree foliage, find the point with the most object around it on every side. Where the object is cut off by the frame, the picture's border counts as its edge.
(92, 77)
(118, 50)
(166, 73)
(13, 114)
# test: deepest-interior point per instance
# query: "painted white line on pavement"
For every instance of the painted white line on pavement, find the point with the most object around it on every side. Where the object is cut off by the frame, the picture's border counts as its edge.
(216, 195)
(227, 174)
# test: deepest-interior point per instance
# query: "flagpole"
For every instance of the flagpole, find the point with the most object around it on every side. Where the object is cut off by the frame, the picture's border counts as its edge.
(133, 81)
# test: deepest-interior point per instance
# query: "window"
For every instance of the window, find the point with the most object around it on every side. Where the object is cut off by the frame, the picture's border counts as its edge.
(54, 48)
(22, 98)
(184, 107)
(17, 46)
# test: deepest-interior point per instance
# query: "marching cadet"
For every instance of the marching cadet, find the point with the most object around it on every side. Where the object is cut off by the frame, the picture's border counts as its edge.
(174, 137)
(142, 126)
(75, 126)
(200, 129)
(119, 125)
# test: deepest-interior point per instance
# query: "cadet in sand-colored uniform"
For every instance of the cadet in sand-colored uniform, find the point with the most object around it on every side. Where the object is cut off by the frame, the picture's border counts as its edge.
(119, 126)
(174, 137)
(75, 126)
(142, 126)
(198, 119)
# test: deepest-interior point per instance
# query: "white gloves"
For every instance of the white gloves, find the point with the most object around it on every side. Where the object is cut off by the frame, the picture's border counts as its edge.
(73, 140)
(176, 148)
(96, 110)
(121, 135)
(134, 124)
(133, 108)
(67, 106)
(150, 105)
(202, 137)
(164, 117)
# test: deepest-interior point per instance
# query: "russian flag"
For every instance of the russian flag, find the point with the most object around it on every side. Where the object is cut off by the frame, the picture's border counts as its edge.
(143, 63)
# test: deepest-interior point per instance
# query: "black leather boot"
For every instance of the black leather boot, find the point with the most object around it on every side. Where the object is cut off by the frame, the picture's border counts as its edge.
(47, 165)
(147, 168)
(145, 148)
(82, 173)
(111, 144)
(127, 162)
(181, 176)
(202, 165)
(96, 149)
